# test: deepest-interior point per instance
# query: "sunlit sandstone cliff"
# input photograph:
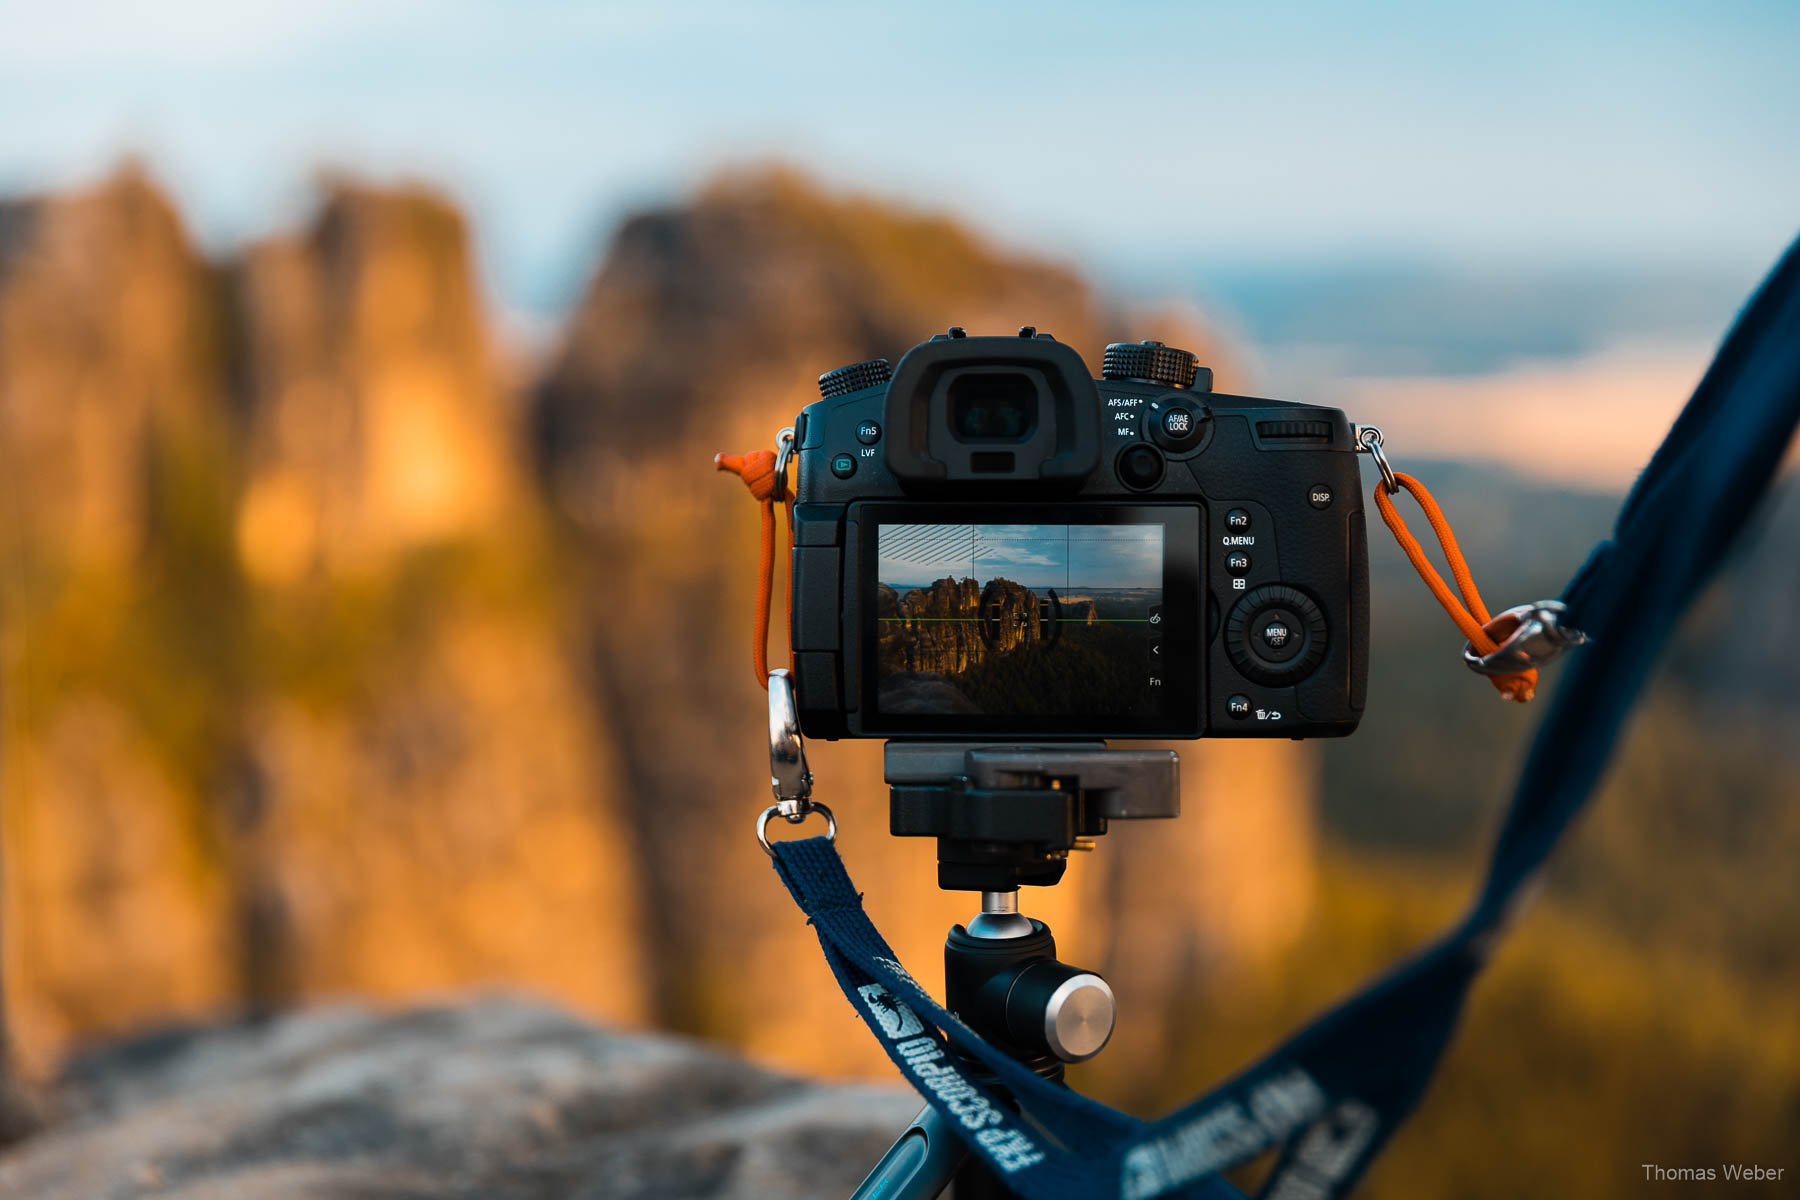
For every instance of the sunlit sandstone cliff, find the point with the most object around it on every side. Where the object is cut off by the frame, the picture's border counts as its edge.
(308, 690)
(111, 380)
(110, 344)
(320, 729)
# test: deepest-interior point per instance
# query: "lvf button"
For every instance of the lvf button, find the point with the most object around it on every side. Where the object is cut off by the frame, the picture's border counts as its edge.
(1319, 495)
(869, 432)
(843, 466)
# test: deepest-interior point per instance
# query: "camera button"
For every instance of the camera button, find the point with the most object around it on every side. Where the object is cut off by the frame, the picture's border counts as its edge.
(1319, 495)
(1177, 427)
(1238, 520)
(869, 432)
(1237, 563)
(1140, 467)
(843, 466)
(1238, 706)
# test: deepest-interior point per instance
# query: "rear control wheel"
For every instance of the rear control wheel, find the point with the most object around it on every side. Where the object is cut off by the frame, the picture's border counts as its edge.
(1275, 635)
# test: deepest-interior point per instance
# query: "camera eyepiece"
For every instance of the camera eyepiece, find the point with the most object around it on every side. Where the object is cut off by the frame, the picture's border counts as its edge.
(1019, 412)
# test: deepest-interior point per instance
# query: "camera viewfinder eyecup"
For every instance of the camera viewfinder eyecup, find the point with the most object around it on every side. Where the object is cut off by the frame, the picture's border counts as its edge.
(966, 412)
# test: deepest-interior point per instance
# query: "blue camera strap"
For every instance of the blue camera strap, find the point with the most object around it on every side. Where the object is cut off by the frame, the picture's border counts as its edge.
(1332, 1095)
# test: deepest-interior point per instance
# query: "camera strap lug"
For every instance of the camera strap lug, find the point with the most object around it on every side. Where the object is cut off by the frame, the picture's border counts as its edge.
(1509, 648)
(764, 472)
(1368, 441)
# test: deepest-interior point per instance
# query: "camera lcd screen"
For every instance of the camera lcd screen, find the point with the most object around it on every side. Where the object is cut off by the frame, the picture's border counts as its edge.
(1047, 625)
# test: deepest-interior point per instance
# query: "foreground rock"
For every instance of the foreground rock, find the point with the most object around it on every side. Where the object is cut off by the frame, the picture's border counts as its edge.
(496, 1098)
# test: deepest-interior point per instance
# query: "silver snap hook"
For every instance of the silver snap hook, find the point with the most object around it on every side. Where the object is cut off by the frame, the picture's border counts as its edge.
(1536, 636)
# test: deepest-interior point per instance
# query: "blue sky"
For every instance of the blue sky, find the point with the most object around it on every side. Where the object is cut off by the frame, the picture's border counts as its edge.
(1071, 558)
(1139, 140)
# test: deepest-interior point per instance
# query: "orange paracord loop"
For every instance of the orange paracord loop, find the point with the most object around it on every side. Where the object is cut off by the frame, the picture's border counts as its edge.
(1472, 619)
(758, 471)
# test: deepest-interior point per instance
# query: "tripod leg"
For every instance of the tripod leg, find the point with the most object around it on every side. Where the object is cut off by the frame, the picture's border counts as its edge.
(919, 1166)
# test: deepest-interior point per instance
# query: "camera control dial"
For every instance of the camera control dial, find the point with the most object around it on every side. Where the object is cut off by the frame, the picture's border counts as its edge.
(854, 378)
(1275, 634)
(1153, 362)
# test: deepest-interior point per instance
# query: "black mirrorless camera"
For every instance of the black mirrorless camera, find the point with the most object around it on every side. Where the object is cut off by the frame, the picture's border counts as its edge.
(989, 543)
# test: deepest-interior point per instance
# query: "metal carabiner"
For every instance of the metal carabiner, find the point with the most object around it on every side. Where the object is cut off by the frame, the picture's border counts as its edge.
(1529, 636)
(789, 777)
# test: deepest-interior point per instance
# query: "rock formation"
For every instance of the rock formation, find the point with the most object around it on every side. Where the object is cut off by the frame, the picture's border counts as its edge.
(333, 667)
(494, 1099)
(956, 623)
(111, 338)
(292, 709)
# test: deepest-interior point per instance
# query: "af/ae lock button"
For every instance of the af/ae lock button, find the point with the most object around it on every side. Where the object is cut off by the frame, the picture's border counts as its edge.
(1178, 426)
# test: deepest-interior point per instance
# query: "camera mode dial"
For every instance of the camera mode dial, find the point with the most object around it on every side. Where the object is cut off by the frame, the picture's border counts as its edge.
(1153, 362)
(1275, 634)
(854, 378)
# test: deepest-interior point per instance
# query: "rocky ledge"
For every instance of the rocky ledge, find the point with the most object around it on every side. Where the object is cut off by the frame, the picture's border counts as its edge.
(491, 1098)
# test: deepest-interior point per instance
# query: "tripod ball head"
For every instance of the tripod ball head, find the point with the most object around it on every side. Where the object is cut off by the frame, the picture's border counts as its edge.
(1013, 989)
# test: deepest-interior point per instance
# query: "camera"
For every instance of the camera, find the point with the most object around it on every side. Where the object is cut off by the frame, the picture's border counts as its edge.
(991, 544)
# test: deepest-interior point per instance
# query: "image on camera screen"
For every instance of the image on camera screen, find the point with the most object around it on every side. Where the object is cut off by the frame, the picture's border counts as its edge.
(1019, 620)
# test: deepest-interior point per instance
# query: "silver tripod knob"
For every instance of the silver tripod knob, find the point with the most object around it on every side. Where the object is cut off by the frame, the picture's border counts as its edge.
(1070, 1011)
(1079, 1018)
